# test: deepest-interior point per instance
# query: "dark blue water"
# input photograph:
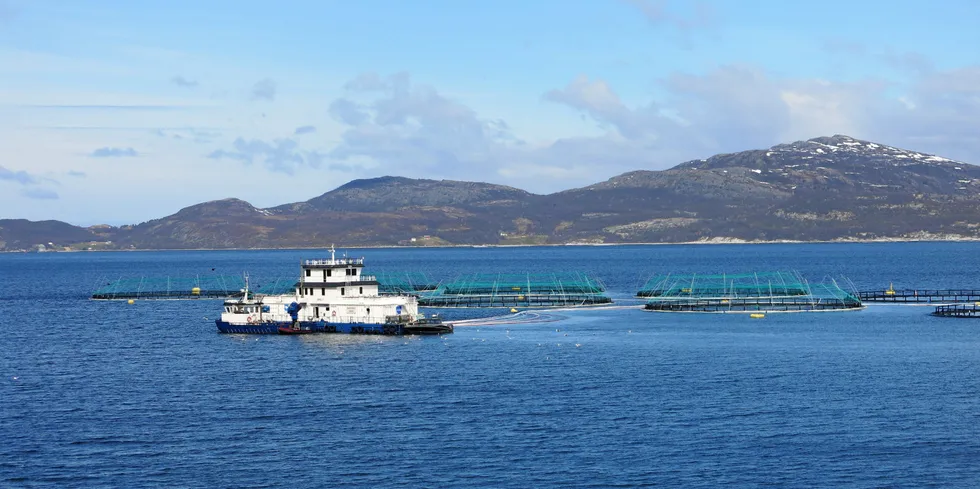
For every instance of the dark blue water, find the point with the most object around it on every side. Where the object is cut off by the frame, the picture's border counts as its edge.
(105, 394)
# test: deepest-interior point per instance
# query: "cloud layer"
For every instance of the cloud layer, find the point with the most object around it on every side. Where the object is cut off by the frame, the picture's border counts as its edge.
(39, 194)
(29, 183)
(264, 90)
(19, 176)
(280, 155)
(394, 126)
(108, 152)
(183, 82)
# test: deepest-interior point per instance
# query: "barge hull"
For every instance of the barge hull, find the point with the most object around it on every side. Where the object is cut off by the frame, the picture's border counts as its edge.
(272, 327)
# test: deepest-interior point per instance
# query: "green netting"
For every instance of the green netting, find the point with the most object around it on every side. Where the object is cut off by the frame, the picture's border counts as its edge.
(275, 286)
(404, 282)
(729, 285)
(517, 290)
(207, 286)
(569, 283)
(771, 291)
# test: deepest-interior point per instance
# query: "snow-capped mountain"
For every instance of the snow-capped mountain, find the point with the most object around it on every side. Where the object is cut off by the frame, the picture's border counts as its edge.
(845, 161)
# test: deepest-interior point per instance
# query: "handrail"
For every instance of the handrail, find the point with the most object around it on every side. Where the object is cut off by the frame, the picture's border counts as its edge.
(337, 261)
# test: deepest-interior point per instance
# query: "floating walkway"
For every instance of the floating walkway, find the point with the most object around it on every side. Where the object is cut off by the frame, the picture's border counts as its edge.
(517, 290)
(199, 287)
(745, 293)
(920, 296)
(958, 311)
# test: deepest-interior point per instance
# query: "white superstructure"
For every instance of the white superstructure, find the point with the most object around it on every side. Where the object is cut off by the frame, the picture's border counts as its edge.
(333, 290)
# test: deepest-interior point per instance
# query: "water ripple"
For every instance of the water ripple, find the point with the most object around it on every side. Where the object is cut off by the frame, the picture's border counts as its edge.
(96, 394)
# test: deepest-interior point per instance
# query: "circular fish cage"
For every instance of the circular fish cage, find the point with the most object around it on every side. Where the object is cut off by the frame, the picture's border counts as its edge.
(745, 293)
(517, 290)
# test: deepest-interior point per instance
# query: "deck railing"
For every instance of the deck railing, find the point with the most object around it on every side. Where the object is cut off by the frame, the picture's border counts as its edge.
(338, 261)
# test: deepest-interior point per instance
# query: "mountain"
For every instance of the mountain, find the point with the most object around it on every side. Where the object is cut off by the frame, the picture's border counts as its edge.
(387, 194)
(21, 234)
(820, 189)
(827, 188)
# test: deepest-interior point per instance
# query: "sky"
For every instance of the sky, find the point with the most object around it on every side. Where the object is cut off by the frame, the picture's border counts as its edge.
(118, 112)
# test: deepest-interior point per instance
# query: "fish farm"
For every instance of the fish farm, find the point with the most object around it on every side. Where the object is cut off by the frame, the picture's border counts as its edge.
(755, 292)
(199, 287)
(518, 290)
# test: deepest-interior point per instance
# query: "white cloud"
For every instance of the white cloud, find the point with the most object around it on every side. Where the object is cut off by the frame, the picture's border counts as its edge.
(39, 194)
(183, 82)
(108, 152)
(264, 89)
(280, 155)
(391, 125)
(414, 130)
(18, 176)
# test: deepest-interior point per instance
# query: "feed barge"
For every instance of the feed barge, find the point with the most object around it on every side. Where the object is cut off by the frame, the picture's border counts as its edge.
(332, 296)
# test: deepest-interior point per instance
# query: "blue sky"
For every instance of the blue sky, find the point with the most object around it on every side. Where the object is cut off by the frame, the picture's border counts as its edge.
(122, 111)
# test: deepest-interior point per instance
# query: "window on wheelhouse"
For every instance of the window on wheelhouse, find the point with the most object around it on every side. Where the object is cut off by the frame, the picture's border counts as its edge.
(308, 272)
(342, 291)
(360, 290)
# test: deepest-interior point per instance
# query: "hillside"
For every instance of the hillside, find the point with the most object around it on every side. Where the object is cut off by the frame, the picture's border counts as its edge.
(826, 188)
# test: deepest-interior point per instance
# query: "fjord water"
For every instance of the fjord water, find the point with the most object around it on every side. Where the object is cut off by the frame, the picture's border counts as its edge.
(109, 394)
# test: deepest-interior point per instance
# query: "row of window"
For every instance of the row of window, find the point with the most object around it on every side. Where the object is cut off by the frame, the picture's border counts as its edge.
(246, 309)
(350, 272)
(323, 291)
(326, 311)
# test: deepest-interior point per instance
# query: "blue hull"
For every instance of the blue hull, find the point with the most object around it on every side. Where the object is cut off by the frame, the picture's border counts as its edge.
(316, 326)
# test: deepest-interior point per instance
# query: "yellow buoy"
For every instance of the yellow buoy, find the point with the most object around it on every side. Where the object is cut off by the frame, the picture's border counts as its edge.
(757, 315)
(131, 301)
(196, 291)
(513, 309)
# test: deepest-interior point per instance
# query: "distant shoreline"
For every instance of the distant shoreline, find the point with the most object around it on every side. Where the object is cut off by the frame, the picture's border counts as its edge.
(711, 241)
